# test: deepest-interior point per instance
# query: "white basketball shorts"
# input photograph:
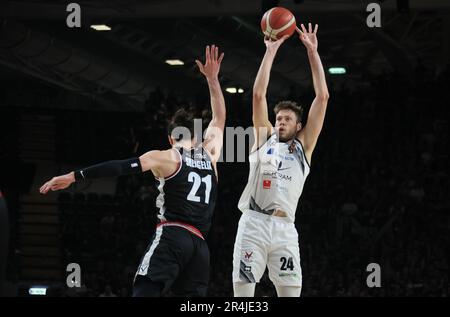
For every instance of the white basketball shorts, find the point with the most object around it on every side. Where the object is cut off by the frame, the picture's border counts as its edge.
(263, 240)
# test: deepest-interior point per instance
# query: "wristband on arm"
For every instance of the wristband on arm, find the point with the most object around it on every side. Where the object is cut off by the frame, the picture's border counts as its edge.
(109, 169)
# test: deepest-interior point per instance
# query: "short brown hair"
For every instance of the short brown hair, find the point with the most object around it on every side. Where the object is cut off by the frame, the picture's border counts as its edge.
(289, 105)
(181, 119)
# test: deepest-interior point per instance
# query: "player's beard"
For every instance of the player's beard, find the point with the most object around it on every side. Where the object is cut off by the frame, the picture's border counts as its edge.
(286, 137)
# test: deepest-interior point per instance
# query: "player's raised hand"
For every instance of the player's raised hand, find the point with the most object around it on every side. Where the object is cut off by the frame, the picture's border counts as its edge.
(274, 45)
(308, 36)
(211, 67)
(57, 183)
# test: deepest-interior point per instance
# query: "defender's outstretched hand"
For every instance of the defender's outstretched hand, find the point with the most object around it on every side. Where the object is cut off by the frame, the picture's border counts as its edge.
(211, 67)
(308, 37)
(57, 183)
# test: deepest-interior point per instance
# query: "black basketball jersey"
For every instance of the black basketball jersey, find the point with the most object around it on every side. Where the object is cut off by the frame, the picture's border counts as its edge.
(189, 195)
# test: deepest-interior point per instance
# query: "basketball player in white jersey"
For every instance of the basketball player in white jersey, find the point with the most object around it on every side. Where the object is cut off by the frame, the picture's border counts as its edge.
(279, 164)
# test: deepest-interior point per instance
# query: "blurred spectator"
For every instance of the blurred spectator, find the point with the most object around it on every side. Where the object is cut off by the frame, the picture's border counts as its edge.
(107, 292)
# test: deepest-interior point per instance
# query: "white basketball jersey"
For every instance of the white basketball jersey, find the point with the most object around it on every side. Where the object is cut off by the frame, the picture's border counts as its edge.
(276, 178)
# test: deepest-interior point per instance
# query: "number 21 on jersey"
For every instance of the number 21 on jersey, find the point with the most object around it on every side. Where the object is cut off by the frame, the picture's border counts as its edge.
(194, 178)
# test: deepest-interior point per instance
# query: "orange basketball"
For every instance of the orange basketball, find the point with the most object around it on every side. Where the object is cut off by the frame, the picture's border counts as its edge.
(278, 22)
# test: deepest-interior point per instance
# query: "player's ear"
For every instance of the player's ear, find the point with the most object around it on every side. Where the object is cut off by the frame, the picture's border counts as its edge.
(299, 126)
(170, 140)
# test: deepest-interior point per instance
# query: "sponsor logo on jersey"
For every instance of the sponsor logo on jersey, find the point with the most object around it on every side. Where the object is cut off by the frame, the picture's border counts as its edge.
(143, 268)
(200, 156)
(266, 184)
(285, 157)
(203, 165)
(247, 256)
(282, 169)
(288, 274)
(278, 162)
(277, 175)
(270, 151)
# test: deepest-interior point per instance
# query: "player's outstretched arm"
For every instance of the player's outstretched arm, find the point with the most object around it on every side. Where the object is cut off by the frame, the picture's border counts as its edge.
(310, 133)
(214, 134)
(161, 163)
(260, 116)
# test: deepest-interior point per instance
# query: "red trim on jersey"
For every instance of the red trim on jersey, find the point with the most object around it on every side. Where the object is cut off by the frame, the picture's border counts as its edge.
(192, 229)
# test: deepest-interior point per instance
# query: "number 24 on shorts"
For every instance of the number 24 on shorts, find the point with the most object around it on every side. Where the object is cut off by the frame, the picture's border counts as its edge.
(286, 264)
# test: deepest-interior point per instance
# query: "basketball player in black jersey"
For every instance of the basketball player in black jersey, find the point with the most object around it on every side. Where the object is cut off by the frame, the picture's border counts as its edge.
(178, 256)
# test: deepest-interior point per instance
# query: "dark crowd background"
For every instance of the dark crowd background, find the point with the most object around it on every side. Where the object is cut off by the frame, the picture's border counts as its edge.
(378, 191)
